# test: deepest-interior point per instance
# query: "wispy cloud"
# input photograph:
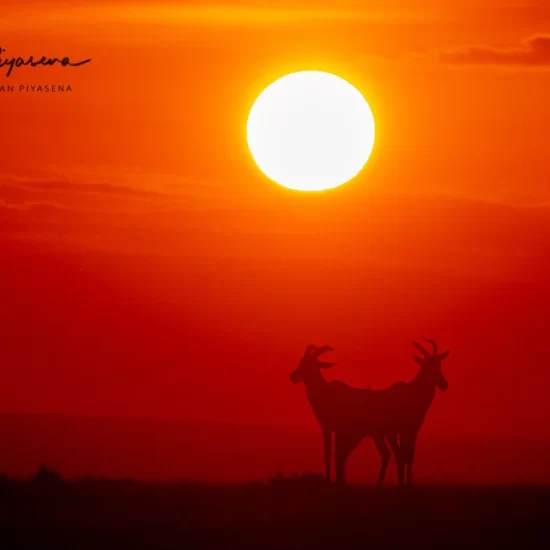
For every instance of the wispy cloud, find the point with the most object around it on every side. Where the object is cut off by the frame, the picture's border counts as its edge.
(534, 52)
(101, 188)
(21, 191)
(6, 206)
(125, 193)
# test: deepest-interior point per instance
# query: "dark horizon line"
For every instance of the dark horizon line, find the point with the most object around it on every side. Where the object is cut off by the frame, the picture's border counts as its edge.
(265, 481)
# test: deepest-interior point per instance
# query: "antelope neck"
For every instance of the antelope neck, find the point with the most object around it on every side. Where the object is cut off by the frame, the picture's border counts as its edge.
(425, 388)
(315, 381)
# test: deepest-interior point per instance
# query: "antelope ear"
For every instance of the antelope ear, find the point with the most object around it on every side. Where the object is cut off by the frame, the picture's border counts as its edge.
(444, 355)
(325, 365)
(418, 360)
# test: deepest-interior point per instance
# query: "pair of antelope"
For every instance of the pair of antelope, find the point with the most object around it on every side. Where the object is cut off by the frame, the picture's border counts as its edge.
(395, 414)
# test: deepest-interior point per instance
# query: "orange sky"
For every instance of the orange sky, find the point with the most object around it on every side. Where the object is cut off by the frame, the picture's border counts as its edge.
(136, 228)
(170, 86)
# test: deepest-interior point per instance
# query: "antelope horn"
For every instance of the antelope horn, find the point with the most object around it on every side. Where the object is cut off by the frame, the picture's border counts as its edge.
(434, 346)
(310, 349)
(321, 350)
(421, 349)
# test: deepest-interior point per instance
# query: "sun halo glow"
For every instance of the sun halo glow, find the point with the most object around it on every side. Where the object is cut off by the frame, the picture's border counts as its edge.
(310, 131)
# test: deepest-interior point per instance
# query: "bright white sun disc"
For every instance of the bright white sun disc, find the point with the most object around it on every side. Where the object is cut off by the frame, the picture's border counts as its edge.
(310, 131)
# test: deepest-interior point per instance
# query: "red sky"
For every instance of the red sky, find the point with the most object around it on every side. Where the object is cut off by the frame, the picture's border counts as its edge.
(148, 268)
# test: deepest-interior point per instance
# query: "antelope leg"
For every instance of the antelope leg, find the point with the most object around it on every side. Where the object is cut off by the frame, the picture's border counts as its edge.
(345, 445)
(398, 453)
(385, 456)
(328, 452)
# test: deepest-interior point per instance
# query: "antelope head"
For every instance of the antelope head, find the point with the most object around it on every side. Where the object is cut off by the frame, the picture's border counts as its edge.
(430, 363)
(310, 365)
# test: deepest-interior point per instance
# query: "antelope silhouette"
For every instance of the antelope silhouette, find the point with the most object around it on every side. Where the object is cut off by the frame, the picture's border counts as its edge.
(394, 414)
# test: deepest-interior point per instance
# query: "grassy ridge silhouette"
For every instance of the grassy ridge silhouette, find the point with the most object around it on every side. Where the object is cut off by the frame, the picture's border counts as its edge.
(297, 511)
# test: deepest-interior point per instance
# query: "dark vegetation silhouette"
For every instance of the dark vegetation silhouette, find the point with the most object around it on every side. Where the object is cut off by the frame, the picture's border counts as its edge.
(296, 511)
(47, 477)
(395, 414)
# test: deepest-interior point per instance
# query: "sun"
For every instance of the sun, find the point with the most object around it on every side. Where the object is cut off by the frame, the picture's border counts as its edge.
(310, 131)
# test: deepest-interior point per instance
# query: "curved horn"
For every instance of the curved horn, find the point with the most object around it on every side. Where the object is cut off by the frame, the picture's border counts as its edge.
(421, 349)
(434, 346)
(321, 350)
(309, 349)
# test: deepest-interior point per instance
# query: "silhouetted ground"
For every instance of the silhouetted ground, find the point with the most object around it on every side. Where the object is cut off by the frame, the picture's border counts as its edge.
(284, 513)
